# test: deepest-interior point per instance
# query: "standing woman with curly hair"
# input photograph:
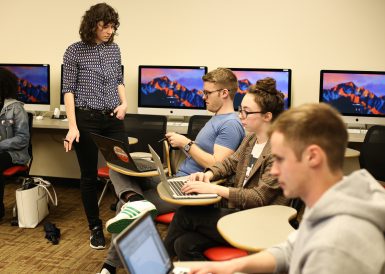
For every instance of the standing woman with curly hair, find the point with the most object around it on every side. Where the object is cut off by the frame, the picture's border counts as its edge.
(94, 96)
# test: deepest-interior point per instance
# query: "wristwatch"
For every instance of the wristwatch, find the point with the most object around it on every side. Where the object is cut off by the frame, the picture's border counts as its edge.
(188, 146)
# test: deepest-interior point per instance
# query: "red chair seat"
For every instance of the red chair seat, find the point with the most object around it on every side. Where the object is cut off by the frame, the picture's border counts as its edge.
(104, 172)
(165, 218)
(224, 253)
(14, 170)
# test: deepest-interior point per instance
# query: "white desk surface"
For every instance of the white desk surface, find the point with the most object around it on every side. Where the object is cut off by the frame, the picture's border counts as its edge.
(356, 137)
(351, 153)
(50, 123)
(47, 122)
(257, 228)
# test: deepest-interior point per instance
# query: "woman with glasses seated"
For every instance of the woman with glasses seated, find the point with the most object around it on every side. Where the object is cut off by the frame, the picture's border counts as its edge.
(194, 228)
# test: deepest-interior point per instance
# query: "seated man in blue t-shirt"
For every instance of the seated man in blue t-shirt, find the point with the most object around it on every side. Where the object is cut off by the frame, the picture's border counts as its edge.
(217, 140)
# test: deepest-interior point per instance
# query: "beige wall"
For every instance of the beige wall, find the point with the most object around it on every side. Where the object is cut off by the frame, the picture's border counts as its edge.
(304, 35)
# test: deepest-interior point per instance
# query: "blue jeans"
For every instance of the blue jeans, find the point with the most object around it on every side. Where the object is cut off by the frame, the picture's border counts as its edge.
(87, 154)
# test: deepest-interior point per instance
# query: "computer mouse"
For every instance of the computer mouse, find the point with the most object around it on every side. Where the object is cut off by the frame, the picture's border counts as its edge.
(39, 117)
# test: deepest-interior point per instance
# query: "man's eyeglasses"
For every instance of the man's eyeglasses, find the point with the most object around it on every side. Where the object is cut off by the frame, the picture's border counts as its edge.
(207, 92)
(245, 113)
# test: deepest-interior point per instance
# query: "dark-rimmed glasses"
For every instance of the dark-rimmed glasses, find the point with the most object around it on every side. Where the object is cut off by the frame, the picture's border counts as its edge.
(245, 113)
(207, 92)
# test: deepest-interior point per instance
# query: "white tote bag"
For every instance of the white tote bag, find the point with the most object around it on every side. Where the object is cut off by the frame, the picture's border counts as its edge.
(32, 203)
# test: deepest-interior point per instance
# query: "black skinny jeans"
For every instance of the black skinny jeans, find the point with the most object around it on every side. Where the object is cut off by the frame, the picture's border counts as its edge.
(5, 162)
(193, 230)
(87, 154)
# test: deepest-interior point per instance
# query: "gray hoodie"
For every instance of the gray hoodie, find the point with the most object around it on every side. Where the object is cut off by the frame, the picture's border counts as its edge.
(342, 233)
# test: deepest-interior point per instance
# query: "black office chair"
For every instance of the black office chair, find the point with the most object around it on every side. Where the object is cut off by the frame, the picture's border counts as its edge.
(298, 205)
(373, 151)
(196, 123)
(148, 129)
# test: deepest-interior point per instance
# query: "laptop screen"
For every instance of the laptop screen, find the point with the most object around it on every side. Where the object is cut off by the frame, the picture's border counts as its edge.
(142, 250)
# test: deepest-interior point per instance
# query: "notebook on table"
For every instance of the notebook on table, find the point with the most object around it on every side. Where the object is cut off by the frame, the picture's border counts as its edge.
(141, 249)
(174, 185)
(117, 152)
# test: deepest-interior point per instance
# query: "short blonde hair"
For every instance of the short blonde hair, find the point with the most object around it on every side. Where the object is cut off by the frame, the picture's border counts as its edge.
(318, 124)
(224, 78)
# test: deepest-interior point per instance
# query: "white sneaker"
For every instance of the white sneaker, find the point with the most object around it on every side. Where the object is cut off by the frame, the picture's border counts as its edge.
(130, 212)
(104, 271)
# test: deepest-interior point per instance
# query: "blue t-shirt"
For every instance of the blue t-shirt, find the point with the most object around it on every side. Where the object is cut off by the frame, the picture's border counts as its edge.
(224, 130)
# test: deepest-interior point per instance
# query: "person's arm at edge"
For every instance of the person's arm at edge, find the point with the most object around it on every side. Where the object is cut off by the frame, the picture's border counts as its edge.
(73, 132)
(120, 110)
(205, 159)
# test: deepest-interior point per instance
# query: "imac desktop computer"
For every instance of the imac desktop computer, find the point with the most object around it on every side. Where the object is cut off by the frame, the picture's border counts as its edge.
(33, 85)
(171, 90)
(358, 95)
(249, 76)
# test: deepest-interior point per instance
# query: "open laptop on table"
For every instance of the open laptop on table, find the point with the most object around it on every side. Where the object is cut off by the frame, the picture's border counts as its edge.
(141, 249)
(174, 185)
(117, 152)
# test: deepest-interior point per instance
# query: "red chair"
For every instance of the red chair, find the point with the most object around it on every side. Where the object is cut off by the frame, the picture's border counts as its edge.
(104, 175)
(224, 253)
(165, 218)
(14, 170)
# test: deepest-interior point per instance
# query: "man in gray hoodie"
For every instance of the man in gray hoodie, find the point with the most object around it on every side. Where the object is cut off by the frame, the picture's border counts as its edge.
(342, 230)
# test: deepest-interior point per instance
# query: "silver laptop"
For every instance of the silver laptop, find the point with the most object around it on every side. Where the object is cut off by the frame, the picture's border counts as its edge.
(117, 152)
(174, 185)
(141, 249)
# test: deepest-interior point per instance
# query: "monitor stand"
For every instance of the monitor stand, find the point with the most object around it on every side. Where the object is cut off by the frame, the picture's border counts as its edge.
(180, 119)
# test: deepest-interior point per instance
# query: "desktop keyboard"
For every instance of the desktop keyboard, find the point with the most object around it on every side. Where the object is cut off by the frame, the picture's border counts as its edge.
(357, 130)
(177, 124)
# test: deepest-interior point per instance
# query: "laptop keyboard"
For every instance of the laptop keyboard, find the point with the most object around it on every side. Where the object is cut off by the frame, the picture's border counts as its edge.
(144, 165)
(176, 187)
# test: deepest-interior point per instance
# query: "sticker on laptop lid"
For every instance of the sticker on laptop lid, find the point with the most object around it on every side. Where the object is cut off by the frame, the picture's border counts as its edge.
(119, 152)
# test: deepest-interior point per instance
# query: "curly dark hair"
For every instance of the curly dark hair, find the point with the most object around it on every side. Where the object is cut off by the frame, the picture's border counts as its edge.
(267, 96)
(97, 13)
(8, 85)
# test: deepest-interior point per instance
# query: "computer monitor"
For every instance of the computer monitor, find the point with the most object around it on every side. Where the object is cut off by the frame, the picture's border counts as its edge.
(62, 106)
(33, 85)
(249, 76)
(358, 95)
(171, 90)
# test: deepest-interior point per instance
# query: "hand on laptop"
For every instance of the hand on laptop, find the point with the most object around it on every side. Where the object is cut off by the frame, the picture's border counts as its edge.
(198, 187)
(201, 176)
